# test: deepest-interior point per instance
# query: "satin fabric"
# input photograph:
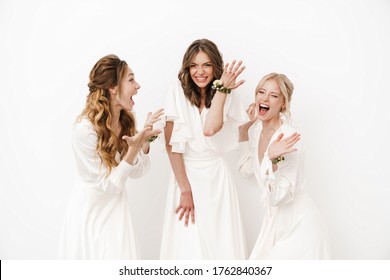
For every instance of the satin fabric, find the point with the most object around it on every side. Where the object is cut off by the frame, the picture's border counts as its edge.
(292, 226)
(98, 221)
(218, 232)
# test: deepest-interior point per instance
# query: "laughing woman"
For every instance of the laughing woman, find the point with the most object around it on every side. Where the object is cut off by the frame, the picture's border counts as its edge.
(292, 226)
(107, 150)
(202, 216)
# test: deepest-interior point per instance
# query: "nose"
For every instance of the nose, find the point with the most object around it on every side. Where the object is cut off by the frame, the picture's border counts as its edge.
(262, 98)
(138, 86)
(200, 70)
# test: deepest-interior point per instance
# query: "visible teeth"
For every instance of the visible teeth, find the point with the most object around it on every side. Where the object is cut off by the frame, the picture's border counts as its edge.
(264, 106)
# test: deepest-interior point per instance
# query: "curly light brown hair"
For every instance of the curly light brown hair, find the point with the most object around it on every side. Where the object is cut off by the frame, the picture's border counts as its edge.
(108, 72)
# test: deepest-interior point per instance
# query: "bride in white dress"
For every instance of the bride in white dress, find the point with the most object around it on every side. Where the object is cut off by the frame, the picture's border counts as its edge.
(108, 150)
(292, 226)
(202, 216)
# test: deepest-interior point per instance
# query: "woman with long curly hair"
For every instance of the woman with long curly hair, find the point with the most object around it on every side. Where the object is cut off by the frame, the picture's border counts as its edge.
(108, 150)
(202, 117)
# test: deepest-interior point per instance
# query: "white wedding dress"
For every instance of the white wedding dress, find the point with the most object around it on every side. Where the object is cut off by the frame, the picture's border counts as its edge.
(218, 232)
(98, 222)
(292, 226)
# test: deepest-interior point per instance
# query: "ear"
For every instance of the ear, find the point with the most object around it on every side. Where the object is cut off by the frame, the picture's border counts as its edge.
(113, 90)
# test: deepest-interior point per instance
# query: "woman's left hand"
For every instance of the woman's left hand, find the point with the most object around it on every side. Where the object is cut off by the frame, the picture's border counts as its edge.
(230, 74)
(138, 139)
(152, 118)
(280, 146)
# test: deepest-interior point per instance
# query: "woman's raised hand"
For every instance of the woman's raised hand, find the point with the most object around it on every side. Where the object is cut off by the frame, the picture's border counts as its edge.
(280, 146)
(153, 117)
(230, 74)
(138, 139)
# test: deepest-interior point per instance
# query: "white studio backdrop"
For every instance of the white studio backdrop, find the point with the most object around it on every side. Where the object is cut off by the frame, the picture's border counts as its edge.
(335, 52)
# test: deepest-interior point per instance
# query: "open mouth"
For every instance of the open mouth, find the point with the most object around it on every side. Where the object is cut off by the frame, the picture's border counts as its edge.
(263, 109)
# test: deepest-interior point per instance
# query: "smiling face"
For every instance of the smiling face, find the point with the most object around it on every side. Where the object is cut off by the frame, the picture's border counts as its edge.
(123, 95)
(201, 70)
(269, 101)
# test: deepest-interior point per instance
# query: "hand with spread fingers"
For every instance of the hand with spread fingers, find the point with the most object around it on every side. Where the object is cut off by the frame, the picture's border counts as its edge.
(230, 74)
(282, 146)
(138, 139)
(153, 117)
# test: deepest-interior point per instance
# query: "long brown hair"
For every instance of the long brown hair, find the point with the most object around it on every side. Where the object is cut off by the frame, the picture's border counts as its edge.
(191, 90)
(106, 73)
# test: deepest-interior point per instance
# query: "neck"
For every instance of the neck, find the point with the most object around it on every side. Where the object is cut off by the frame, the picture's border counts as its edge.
(203, 92)
(270, 126)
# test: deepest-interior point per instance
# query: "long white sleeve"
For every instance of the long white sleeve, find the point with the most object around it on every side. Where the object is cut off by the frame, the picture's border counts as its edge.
(246, 164)
(89, 165)
(281, 184)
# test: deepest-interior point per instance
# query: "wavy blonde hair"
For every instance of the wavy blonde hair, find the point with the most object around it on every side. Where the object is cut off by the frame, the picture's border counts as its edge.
(191, 90)
(106, 73)
(286, 87)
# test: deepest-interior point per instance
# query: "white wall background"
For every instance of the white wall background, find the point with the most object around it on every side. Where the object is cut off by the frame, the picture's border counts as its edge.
(335, 52)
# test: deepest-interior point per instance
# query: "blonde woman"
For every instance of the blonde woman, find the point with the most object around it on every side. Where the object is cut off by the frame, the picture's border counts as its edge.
(292, 226)
(108, 150)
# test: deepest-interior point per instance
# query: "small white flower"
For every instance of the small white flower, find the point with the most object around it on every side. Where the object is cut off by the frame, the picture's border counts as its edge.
(217, 83)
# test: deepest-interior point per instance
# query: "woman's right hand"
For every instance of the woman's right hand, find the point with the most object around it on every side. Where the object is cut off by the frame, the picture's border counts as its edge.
(251, 111)
(186, 207)
(243, 129)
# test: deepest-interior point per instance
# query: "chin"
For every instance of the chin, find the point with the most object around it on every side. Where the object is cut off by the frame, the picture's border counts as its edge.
(202, 85)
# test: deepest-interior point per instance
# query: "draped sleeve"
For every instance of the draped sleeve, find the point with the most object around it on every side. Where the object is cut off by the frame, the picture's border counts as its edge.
(233, 116)
(280, 185)
(90, 167)
(175, 105)
(247, 149)
(245, 162)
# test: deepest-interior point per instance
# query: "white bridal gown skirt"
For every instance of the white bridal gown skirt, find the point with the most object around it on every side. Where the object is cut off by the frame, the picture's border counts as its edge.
(218, 231)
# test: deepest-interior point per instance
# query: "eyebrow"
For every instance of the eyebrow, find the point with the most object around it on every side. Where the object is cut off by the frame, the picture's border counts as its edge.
(193, 63)
(130, 74)
(261, 89)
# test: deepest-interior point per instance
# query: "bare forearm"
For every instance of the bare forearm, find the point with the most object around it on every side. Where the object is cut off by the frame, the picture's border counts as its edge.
(243, 134)
(176, 161)
(179, 171)
(214, 120)
(146, 147)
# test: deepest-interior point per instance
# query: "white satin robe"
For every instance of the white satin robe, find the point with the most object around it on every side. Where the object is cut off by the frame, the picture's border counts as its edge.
(218, 232)
(98, 222)
(292, 226)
